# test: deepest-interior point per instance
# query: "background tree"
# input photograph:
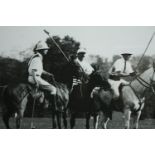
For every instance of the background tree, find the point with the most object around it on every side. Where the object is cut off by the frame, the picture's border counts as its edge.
(12, 70)
(102, 65)
(144, 64)
(54, 60)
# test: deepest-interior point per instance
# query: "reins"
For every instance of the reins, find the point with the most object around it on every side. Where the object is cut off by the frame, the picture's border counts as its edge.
(145, 84)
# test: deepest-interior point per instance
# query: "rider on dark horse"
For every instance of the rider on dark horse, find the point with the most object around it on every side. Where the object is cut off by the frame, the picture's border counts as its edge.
(35, 71)
(80, 83)
(86, 68)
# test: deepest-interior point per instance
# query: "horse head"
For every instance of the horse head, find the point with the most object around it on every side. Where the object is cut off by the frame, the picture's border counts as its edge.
(152, 78)
(97, 80)
(68, 71)
(77, 69)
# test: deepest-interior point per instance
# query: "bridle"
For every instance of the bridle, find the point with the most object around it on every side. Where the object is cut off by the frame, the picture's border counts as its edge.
(153, 81)
(145, 83)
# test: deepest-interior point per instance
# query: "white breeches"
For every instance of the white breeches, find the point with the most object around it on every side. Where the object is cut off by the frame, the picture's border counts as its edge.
(43, 84)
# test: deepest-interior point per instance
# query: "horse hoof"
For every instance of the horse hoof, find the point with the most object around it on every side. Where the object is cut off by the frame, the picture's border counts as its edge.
(33, 127)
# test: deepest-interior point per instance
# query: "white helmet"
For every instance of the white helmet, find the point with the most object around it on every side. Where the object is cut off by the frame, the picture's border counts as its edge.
(41, 46)
(126, 54)
(81, 51)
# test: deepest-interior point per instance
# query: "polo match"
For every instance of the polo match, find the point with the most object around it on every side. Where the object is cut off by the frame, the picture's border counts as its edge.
(77, 77)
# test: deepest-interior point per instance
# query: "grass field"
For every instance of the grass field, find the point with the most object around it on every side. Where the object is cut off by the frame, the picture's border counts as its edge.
(46, 123)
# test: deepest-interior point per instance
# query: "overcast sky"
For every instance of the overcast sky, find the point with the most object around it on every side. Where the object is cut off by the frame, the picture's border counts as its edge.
(105, 41)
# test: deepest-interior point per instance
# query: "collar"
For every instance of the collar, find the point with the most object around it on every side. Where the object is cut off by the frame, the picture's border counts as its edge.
(40, 56)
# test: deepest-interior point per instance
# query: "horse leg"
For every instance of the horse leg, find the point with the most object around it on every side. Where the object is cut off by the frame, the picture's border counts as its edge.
(72, 120)
(64, 119)
(96, 121)
(136, 119)
(6, 116)
(58, 115)
(87, 120)
(53, 120)
(127, 115)
(20, 112)
(105, 122)
(19, 119)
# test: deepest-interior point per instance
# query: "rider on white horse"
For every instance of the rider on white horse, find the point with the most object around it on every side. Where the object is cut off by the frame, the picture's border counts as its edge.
(120, 69)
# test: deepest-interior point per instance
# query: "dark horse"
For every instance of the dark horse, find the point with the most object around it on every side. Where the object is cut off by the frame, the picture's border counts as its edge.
(81, 101)
(14, 98)
(63, 91)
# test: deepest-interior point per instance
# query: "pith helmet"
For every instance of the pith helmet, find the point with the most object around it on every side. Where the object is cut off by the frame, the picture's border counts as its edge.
(81, 51)
(41, 46)
(126, 54)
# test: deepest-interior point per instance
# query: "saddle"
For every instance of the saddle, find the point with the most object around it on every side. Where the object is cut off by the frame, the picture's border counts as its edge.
(36, 93)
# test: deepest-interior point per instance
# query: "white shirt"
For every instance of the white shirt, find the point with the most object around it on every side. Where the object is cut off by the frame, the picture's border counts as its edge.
(36, 64)
(119, 66)
(87, 68)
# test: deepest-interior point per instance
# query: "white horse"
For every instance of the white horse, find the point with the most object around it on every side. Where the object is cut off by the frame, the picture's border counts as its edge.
(132, 97)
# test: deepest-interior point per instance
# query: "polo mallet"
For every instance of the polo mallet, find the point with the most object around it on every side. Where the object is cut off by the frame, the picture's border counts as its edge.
(56, 44)
(33, 110)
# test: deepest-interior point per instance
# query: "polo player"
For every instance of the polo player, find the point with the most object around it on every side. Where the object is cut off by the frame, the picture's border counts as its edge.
(87, 68)
(35, 71)
(120, 69)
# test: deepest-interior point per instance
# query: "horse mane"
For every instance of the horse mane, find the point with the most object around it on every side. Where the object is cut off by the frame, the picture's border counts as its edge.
(99, 80)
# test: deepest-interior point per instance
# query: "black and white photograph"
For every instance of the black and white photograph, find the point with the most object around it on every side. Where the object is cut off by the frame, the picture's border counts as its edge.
(77, 77)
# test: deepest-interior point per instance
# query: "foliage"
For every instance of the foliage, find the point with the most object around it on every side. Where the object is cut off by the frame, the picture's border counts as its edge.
(144, 63)
(102, 65)
(12, 71)
(54, 60)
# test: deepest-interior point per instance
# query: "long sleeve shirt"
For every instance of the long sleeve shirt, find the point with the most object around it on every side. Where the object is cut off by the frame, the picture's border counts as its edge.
(121, 66)
(87, 68)
(36, 64)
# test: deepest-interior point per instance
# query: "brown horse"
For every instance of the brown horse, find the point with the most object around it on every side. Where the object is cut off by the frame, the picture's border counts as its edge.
(16, 96)
(131, 99)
